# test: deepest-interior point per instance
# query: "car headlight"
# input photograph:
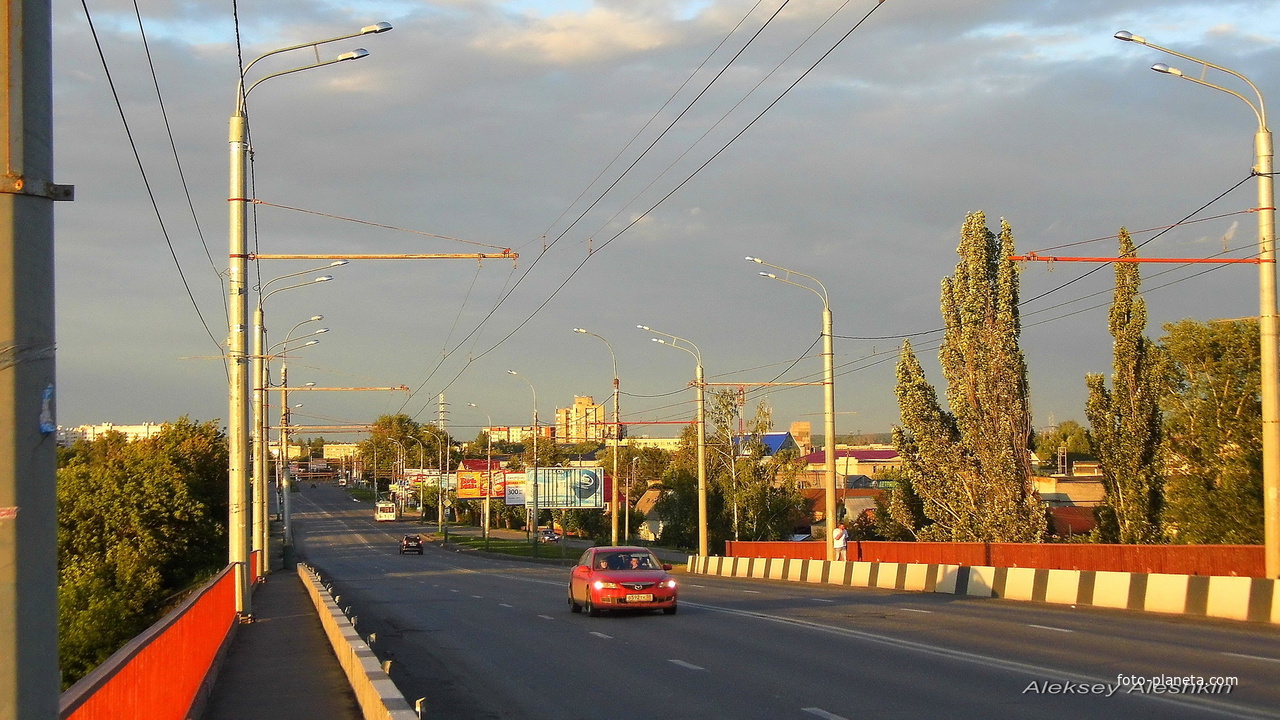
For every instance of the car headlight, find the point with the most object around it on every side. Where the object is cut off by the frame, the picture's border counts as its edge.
(601, 584)
(669, 583)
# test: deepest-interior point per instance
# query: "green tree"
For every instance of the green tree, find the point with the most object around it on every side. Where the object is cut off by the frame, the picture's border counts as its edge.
(1212, 432)
(138, 523)
(969, 464)
(900, 511)
(1068, 433)
(1125, 421)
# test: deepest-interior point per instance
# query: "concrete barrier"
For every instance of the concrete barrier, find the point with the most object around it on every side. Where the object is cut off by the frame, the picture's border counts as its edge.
(378, 697)
(1232, 598)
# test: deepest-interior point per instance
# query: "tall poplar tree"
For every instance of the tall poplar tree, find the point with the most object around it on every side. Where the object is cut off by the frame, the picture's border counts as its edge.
(1125, 421)
(969, 464)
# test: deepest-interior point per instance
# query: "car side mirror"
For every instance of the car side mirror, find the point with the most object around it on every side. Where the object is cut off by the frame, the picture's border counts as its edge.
(666, 566)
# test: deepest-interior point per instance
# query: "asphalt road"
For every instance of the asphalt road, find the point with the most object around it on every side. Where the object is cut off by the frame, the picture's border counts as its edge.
(486, 637)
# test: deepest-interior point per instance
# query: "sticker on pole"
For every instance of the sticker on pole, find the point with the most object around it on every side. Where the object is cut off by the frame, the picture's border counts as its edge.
(8, 513)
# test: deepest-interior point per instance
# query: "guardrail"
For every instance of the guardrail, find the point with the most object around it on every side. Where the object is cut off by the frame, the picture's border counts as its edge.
(162, 674)
(1219, 560)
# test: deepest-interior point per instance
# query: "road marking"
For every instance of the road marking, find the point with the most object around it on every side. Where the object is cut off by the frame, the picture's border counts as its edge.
(1046, 627)
(1032, 670)
(821, 600)
(823, 714)
(453, 590)
(930, 612)
(685, 665)
(546, 617)
(697, 586)
(478, 597)
(1252, 657)
(506, 605)
(602, 635)
(753, 592)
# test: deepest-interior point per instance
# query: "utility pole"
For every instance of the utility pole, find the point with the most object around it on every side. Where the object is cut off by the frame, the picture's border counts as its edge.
(28, 428)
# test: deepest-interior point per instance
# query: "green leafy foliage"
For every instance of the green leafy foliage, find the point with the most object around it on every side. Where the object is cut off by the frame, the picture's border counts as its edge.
(138, 522)
(969, 463)
(1212, 432)
(1125, 420)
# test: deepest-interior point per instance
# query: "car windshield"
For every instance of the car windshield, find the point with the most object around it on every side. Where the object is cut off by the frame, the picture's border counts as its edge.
(630, 560)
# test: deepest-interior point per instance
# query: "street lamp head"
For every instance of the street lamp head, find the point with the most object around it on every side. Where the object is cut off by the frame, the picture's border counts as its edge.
(353, 55)
(645, 327)
(321, 331)
(579, 330)
(1162, 68)
(338, 263)
(660, 341)
(310, 384)
(754, 260)
(310, 342)
(323, 278)
(512, 372)
(1127, 36)
(771, 276)
(317, 318)
(375, 28)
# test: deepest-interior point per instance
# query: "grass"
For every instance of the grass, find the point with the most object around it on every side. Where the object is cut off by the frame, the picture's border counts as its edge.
(515, 547)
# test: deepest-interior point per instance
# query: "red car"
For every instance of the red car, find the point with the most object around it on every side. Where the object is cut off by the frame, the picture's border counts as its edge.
(621, 578)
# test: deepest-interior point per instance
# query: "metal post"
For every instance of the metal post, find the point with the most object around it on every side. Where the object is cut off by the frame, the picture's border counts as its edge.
(703, 548)
(286, 480)
(259, 442)
(238, 379)
(28, 464)
(1270, 349)
(829, 428)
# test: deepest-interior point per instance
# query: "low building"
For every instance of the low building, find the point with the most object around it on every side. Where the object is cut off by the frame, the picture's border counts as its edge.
(667, 444)
(89, 433)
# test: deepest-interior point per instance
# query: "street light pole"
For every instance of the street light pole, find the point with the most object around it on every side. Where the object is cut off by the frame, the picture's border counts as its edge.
(700, 387)
(828, 395)
(1268, 322)
(237, 317)
(534, 481)
(488, 473)
(617, 434)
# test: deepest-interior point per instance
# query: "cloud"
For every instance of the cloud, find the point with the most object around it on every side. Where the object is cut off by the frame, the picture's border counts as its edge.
(570, 38)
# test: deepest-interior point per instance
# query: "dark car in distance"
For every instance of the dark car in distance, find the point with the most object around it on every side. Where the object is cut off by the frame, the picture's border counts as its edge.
(411, 544)
(621, 578)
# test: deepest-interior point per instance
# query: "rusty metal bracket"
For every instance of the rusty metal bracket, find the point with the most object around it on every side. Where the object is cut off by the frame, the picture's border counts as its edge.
(19, 185)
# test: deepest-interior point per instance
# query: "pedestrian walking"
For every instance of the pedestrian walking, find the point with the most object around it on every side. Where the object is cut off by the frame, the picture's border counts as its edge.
(840, 540)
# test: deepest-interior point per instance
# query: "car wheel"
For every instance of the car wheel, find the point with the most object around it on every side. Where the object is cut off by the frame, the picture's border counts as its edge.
(669, 610)
(573, 604)
(592, 610)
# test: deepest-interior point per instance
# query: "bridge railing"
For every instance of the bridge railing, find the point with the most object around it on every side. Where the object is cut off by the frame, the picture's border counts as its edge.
(1223, 560)
(164, 672)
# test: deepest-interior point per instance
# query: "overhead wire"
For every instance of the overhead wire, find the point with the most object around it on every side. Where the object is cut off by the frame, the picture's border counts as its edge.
(155, 206)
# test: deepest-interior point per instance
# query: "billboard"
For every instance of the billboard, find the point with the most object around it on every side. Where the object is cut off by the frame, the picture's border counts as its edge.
(514, 487)
(570, 488)
(472, 484)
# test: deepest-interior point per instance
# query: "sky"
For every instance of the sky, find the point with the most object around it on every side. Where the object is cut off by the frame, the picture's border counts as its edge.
(634, 153)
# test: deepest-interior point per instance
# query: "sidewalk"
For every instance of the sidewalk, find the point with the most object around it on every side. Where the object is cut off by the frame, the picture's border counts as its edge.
(281, 666)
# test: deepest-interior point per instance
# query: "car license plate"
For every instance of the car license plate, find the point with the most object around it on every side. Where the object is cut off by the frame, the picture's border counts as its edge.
(640, 597)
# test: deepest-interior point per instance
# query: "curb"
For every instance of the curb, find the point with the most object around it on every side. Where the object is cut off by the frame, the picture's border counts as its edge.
(1230, 598)
(377, 695)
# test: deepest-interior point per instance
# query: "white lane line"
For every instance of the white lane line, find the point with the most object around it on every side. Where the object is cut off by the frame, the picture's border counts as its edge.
(753, 592)
(823, 714)
(602, 635)
(692, 585)
(453, 590)
(1253, 657)
(930, 612)
(821, 600)
(478, 597)
(505, 605)
(1046, 627)
(685, 665)
(546, 617)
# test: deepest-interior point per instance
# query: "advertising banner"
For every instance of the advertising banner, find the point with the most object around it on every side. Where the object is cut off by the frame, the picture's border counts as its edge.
(473, 484)
(514, 487)
(570, 488)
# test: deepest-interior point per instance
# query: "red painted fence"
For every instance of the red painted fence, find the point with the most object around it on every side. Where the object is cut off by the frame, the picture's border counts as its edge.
(1241, 560)
(159, 673)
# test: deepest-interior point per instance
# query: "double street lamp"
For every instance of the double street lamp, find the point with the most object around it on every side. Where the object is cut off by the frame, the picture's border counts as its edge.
(1267, 314)
(700, 387)
(617, 433)
(828, 393)
(488, 472)
(238, 310)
